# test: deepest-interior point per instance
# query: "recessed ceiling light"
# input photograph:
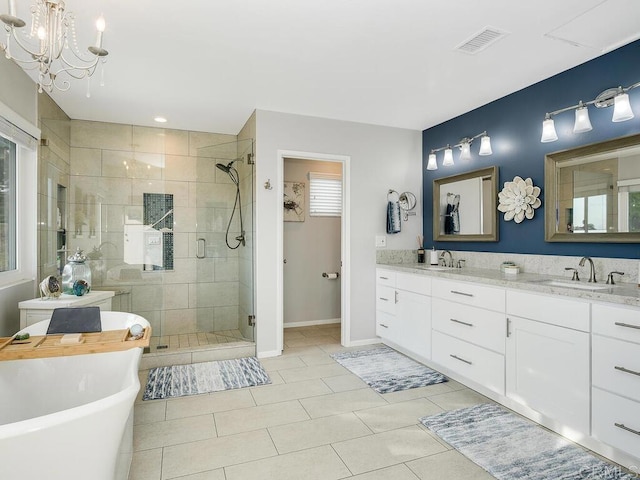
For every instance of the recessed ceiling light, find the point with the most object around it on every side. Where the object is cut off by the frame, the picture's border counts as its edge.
(160, 119)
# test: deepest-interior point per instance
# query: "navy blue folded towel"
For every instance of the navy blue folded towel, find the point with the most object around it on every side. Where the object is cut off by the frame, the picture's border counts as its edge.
(393, 217)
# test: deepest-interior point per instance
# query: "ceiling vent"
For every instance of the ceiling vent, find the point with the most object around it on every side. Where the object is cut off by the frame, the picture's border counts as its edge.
(481, 40)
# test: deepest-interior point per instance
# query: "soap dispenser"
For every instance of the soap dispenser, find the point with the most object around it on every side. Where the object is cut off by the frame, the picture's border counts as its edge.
(433, 256)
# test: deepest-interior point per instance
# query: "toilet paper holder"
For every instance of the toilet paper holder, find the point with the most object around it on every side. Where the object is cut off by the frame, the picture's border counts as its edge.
(331, 275)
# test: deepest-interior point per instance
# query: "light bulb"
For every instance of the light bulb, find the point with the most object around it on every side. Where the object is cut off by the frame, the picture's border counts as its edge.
(101, 24)
(582, 123)
(448, 157)
(432, 164)
(548, 131)
(485, 146)
(465, 151)
(622, 108)
(42, 33)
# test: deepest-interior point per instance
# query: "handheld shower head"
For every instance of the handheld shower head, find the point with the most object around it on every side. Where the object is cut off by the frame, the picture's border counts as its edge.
(225, 168)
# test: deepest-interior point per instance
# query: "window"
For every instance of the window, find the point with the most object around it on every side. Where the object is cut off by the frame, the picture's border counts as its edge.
(7, 205)
(325, 195)
(18, 199)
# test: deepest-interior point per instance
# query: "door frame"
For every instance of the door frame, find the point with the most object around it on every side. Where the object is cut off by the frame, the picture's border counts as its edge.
(345, 241)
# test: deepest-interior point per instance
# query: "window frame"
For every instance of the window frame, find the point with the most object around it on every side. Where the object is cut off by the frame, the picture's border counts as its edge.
(26, 180)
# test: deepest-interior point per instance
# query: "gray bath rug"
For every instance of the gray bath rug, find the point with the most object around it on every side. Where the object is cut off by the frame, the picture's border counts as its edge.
(386, 370)
(182, 380)
(511, 447)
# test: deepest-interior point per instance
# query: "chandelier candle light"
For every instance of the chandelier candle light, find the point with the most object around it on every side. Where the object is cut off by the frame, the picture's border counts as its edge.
(465, 150)
(50, 45)
(618, 97)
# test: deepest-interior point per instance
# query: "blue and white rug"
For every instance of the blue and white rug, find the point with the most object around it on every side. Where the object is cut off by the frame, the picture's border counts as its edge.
(182, 380)
(511, 447)
(386, 370)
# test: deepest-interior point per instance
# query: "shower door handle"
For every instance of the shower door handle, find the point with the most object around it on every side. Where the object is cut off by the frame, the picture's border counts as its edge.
(201, 245)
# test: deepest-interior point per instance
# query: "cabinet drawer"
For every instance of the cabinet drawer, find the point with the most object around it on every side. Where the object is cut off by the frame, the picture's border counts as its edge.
(549, 309)
(386, 299)
(616, 366)
(610, 414)
(618, 322)
(469, 294)
(470, 361)
(385, 277)
(475, 325)
(385, 324)
(414, 283)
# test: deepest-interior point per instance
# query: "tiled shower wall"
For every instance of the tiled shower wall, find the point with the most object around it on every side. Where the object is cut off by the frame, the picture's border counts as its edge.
(53, 170)
(111, 167)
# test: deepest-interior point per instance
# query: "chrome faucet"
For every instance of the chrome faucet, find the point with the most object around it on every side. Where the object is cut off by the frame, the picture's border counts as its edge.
(592, 275)
(450, 264)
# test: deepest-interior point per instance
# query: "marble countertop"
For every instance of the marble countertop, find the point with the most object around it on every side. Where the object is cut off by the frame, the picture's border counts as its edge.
(621, 293)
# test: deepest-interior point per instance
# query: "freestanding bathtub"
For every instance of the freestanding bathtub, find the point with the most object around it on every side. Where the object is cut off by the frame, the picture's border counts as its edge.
(69, 418)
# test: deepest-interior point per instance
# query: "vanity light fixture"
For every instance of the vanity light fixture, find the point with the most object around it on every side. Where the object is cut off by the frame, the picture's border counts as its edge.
(49, 45)
(465, 150)
(618, 97)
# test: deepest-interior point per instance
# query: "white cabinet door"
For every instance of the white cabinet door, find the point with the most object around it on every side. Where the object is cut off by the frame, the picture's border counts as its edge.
(547, 369)
(413, 319)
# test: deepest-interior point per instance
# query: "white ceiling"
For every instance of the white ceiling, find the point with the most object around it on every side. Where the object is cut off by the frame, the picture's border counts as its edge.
(207, 64)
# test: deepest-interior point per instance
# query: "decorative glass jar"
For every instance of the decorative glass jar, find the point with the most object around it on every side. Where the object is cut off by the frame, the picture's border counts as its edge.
(75, 270)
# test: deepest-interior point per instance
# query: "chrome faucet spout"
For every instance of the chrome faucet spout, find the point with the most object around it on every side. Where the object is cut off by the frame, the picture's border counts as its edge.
(592, 274)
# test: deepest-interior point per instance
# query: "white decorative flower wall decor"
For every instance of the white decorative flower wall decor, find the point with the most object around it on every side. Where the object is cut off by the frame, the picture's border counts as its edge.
(518, 199)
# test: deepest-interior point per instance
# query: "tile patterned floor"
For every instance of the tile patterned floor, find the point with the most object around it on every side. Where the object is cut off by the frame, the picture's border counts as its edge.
(315, 421)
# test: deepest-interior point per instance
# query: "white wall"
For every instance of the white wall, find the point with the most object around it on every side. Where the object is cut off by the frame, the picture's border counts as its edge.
(18, 104)
(380, 158)
(311, 248)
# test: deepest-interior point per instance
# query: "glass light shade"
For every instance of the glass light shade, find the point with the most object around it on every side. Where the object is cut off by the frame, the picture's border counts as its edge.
(548, 131)
(485, 146)
(622, 108)
(465, 151)
(448, 157)
(432, 164)
(582, 123)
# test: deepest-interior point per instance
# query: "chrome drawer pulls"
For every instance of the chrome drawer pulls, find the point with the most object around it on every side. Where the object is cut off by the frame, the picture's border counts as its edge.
(461, 293)
(384, 278)
(628, 325)
(626, 370)
(461, 322)
(383, 325)
(461, 359)
(383, 299)
(624, 427)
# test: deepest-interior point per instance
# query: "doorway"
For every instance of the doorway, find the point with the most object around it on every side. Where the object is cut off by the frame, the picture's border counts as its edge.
(311, 246)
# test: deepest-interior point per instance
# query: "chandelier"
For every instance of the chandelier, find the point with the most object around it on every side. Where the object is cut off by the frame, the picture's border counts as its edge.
(50, 47)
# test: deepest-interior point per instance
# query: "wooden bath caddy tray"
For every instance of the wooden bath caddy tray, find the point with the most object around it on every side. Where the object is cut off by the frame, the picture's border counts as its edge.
(42, 346)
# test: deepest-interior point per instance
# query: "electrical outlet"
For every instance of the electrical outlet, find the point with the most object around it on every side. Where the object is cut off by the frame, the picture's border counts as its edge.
(381, 241)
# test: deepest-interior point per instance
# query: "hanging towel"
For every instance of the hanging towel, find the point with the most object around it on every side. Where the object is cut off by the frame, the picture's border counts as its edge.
(393, 217)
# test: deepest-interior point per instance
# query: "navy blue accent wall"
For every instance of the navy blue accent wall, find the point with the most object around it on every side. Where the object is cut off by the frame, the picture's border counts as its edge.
(514, 124)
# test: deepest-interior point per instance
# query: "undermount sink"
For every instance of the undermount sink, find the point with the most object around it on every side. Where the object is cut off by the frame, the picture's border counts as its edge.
(437, 269)
(576, 285)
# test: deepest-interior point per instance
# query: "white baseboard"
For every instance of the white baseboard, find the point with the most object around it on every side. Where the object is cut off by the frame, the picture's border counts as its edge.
(361, 343)
(272, 353)
(311, 323)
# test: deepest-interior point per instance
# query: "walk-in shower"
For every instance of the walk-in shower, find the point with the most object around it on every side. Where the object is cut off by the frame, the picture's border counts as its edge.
(237, 204)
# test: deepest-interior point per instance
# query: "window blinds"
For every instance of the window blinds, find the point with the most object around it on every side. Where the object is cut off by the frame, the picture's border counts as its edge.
(325, 194)
(16, 134)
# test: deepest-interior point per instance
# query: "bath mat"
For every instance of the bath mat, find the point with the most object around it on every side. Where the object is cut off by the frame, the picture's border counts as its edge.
(182, 380)
(386, 370)
(511, 447)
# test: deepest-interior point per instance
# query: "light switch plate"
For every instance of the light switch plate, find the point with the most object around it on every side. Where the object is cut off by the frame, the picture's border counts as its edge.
(381, 241)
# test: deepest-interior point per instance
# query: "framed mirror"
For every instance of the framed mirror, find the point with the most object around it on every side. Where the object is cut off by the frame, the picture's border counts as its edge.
(464, 207)
(592, 193)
